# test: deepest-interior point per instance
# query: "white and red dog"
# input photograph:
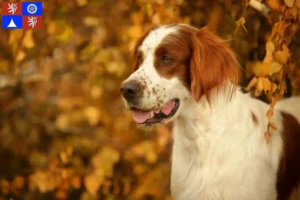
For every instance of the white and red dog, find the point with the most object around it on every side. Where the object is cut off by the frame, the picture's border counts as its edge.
(189, 76)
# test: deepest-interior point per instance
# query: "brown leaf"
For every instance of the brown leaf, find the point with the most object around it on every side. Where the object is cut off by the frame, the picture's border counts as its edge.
(289, 3)
(280, 28)
(267, 136)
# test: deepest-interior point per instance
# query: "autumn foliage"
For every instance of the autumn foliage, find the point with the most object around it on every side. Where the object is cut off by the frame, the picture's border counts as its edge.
(64, 131)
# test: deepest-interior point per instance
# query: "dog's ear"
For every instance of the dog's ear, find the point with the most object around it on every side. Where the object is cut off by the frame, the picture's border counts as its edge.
(212, 64)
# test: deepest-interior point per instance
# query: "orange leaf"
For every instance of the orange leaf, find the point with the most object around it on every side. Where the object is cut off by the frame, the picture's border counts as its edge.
(298, 5)
(289, 3)
(273, 102)
(266, 84)
(274, 68)
(270, 113)
(274, 4)
(282, 56)
(251, 84)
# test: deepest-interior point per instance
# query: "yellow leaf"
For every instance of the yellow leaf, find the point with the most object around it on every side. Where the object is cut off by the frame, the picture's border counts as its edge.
(82, 2)
(274, 68)
(91, 21)
(92, 183)
(240, 23)
(105, 160)
(270, 47)
(92, 115)
(20, 56)
(66, 34)
(28, 41)
(289, 3)
(265, 68)
(96, 92)
(62, 121)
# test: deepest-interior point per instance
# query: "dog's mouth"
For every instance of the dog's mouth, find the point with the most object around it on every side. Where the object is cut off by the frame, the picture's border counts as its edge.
(154, 116)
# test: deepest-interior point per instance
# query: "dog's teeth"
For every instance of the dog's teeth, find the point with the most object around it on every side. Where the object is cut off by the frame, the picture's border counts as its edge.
(151, 115)
(156, 111)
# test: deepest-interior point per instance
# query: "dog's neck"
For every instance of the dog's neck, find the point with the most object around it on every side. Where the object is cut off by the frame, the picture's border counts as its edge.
(200, 123)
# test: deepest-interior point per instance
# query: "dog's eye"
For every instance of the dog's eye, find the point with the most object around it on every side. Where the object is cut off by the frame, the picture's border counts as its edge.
(167, 60)
(140, 58)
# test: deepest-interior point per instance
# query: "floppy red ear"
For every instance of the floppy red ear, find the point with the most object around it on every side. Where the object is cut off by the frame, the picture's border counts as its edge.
(212, 64)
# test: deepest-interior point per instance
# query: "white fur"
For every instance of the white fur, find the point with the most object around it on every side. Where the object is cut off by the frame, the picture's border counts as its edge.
(219, 152)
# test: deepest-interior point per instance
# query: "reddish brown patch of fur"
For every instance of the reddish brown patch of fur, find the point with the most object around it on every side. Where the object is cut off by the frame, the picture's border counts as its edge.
(289, 169)
(254, 118)
(176, 47)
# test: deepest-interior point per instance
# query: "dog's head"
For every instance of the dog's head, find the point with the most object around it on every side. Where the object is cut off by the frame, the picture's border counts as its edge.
(172, 64)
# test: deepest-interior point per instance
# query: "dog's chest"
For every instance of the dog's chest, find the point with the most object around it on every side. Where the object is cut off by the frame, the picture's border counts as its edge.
(205, 168)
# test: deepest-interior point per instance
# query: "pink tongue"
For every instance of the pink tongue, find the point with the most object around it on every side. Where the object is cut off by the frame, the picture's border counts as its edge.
(141, 116)
(168, 108)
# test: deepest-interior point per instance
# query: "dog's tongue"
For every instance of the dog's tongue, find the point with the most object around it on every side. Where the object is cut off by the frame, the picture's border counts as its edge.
(168, 108)
(141, 116)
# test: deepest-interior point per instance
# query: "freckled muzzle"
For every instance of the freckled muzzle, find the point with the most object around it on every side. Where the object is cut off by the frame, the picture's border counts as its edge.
(132, 91)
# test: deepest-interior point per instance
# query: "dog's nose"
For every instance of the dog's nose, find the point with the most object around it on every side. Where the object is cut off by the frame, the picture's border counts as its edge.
(130, 89)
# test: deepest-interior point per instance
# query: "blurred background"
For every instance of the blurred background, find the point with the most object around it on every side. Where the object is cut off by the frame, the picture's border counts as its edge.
(64, 131)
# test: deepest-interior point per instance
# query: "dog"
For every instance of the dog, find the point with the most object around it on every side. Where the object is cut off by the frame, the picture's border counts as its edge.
(189, 76)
